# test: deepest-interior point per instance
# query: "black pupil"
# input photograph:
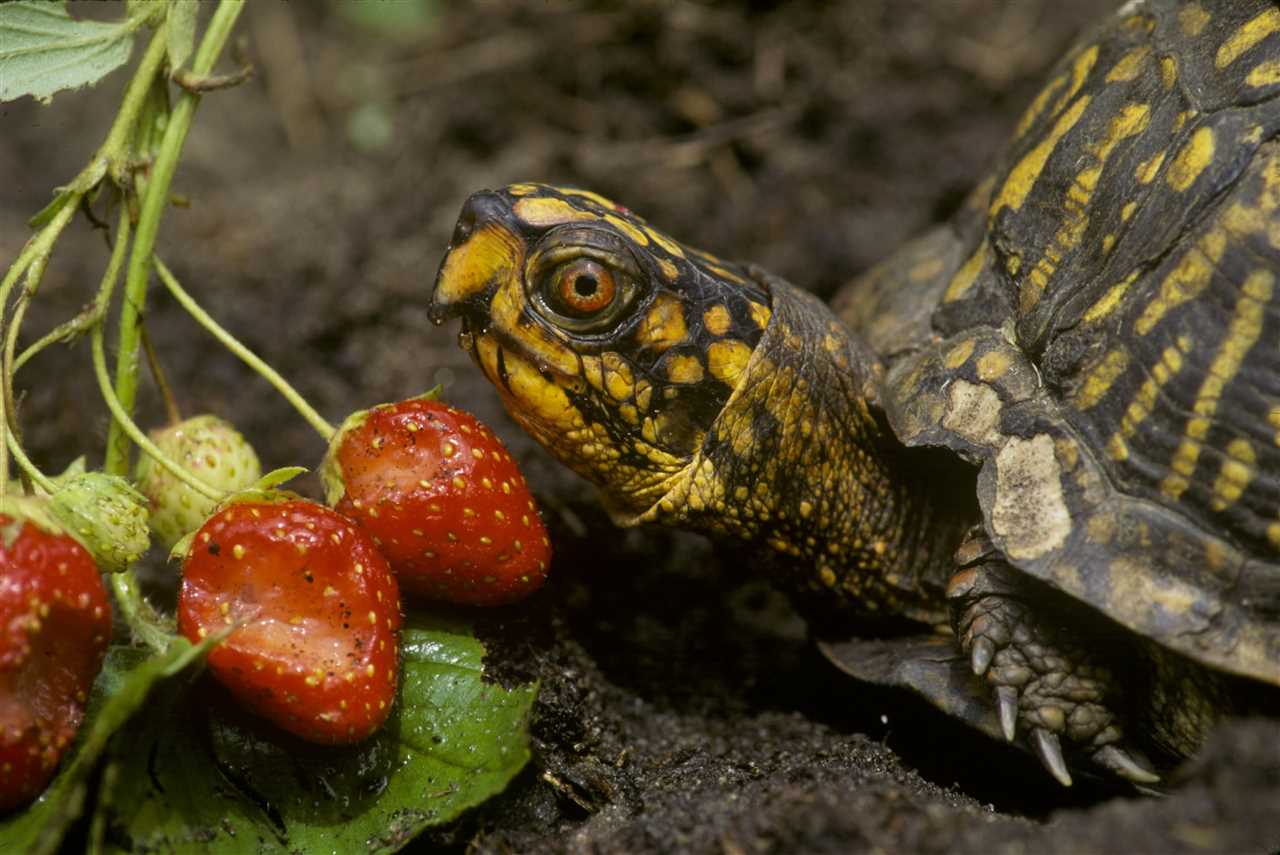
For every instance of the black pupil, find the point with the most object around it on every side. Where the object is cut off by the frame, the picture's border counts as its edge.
(585, 285)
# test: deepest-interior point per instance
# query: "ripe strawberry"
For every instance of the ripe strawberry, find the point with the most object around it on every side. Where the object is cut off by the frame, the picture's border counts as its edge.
(442, 498)
(54, 626)
(207, 446)
(317, 651)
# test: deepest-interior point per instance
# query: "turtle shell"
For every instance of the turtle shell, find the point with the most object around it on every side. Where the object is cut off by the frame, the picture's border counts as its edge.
(1099, 330)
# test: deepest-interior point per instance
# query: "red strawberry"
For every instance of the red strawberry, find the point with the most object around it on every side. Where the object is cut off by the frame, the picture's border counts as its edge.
(317, 651)
(55, 622)
(442, 498)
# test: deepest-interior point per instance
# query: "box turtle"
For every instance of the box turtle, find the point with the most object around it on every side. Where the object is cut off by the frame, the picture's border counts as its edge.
(1029, 466)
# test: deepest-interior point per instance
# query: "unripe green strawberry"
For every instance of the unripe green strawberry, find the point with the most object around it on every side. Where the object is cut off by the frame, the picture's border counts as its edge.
(212, 450)
(105, 514)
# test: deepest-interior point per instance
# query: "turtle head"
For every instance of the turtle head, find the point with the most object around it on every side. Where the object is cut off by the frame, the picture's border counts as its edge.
(613, 345)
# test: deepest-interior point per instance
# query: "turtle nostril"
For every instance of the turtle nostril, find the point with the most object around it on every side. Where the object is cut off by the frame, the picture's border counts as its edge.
(480, 208)
(465, 226)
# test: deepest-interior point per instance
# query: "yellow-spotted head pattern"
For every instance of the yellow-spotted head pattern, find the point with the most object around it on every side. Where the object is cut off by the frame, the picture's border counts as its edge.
(610, 343)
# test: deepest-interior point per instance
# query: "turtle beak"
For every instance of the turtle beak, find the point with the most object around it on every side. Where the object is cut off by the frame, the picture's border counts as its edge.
(484, 252)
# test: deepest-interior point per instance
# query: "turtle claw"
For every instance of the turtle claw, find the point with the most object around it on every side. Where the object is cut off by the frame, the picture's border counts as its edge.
(980, 656)
(1125, 764)
(1007, 702)
(1049, 750)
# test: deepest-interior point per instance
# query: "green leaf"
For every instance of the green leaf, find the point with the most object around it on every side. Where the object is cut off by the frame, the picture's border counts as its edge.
(197, 776)
(43, 50)
(127, 677)
(182, 32)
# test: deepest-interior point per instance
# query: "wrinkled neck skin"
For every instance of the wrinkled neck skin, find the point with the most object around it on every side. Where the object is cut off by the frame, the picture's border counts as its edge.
(799, 461)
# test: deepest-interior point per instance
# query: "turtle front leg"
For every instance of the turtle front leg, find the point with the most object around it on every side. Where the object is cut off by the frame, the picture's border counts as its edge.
(1044, 667)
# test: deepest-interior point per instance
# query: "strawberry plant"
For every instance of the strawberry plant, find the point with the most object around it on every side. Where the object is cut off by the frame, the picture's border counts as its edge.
(289, 629)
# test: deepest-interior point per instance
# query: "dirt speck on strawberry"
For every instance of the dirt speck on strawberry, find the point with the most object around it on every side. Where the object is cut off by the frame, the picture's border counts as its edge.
(289, 575)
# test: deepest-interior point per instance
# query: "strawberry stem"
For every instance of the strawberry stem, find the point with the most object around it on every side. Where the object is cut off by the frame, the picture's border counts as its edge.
(154, 200)
(162, 382)
(131, 430)
(246, 355)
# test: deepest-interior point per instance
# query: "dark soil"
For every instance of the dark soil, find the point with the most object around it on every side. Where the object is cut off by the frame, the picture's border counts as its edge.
(682, 708)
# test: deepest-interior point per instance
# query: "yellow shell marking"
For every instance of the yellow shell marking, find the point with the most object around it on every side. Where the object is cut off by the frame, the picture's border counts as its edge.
(1080, 69)
(966, 275)
(1234, 475)
(993, 365)
(684, 369)
(1129, 66)
(1168, 71)
(1192, 18)
(543, 211)
(959, 354)
(1191, 159)
(1242, 334)
(1131, 121)
(1107, 302)
(1023, 176)
(1140, 407)
(1098, 382)
(717, 320)
(1185, 281)
(1249, 34)
(669, 271)
(1274, 418)
(1150, 168)
(663, 326)
(1037, 106)
(1264, 74)
(727, 360)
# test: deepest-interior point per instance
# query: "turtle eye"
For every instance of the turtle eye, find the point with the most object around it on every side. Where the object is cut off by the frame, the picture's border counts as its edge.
(581, 289)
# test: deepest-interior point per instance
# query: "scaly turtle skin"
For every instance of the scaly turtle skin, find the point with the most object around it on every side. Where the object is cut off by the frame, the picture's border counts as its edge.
(1032, 460)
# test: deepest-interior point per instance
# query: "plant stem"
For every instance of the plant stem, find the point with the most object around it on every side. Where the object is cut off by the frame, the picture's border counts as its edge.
(133, 433)
(154, 200)
(148, 627)
(246, 355)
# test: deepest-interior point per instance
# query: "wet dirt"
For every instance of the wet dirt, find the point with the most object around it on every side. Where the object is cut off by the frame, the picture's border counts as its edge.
(682, 707)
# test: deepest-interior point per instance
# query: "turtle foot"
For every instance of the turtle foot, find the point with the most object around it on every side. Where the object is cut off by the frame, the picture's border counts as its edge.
(1048, 682)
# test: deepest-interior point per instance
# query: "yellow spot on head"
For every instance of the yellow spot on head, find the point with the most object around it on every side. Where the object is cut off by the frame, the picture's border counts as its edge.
(491, 254)
(727, 361)
(760, 315)
(627, 229)
(544, 211)
(664, 324)
(682, 368)
(717, 320)
(666, 243)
